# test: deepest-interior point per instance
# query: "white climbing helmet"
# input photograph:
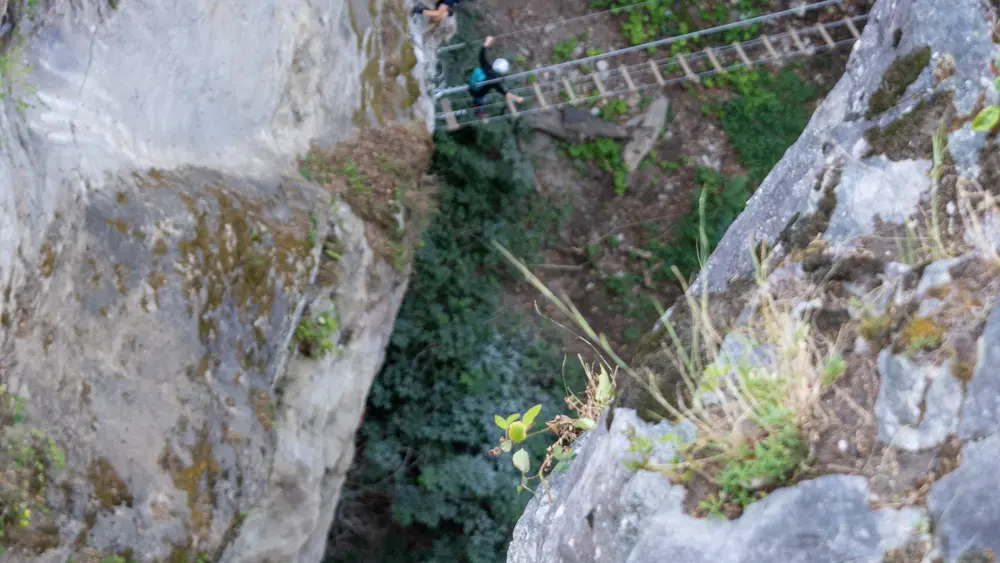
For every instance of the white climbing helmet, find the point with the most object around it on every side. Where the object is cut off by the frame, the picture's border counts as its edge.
(501, 66)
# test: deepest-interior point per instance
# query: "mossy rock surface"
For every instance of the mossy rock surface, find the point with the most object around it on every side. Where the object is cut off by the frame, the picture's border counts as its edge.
(174, 293)
(897, 78)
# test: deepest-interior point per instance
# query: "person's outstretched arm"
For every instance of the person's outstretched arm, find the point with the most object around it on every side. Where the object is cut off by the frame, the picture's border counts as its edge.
(484, 61)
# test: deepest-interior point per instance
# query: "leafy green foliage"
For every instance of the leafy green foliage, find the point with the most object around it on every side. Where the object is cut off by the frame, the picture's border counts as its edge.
(316, 334)
(455, 357)
(562, 51)
(27, 457)
(987, 119)
(614, 108)
(606, 154)
(772, 460)
(668, 18)
(14, 75)
(766, 117)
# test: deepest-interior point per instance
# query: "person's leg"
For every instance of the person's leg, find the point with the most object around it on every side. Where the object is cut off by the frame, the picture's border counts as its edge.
(479, 106)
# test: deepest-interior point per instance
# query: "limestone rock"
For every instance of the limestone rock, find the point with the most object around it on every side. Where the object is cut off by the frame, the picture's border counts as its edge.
(918, 405)
(965, 504)
(604, 512)
(838, 125)
(575, 125)
(157, 250)
(646, 134)
(981, 413)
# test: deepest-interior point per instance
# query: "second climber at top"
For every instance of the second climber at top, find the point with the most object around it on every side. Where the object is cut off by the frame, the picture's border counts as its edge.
(437, 14)
(489, 72)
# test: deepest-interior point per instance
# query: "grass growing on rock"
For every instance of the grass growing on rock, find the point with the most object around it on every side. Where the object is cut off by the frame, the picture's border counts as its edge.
(381, 177)
(751, 416)
(27, 457)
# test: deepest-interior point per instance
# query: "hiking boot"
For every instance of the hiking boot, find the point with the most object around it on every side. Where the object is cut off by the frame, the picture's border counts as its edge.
(419, 8)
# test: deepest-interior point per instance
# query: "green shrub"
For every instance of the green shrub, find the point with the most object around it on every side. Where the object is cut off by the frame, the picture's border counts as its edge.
(658, 19)
(563, 50)
(614, 108)
(455, 358)
(766, 117)
(316, 334)
(606, 154)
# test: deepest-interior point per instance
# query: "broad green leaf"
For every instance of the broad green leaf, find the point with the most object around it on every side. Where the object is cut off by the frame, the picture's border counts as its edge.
(562, 453)
(521, 461)
(561, 466)
(604, 389)
(517, 431)
(513, 417)
(529, 416)
(987, 119)
(585, 423)
(501, 422)
(996, 83)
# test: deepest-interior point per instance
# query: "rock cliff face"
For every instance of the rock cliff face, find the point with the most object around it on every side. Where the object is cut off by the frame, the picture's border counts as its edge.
(879, 228)
(159, 249)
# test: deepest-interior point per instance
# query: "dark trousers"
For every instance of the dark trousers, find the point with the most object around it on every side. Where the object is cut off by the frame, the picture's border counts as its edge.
(479, 98)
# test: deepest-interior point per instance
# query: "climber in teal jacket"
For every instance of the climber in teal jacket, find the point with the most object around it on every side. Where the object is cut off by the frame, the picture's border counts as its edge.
(487, 71)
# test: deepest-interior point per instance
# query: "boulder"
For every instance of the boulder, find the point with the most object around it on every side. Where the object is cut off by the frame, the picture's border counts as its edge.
(576, 126)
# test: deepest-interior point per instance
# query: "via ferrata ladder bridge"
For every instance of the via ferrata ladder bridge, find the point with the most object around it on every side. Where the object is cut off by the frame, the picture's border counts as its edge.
(454, 106)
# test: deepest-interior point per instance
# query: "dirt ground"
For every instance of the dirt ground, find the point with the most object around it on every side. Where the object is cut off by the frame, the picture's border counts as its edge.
(606, 232)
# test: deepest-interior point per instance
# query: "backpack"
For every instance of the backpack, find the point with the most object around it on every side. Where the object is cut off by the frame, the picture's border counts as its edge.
(478, 75)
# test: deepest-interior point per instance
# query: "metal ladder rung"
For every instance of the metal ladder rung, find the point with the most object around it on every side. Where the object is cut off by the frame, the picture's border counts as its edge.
(628, 77)
(449, 116)
(511, 106)
(569, 90)
(715, 61)
(825, 34)
(743, 54)
(798, 41)
(600, 85)
(687, 69)
(854, 30)
(770, 48)
(656, 72)
(538, 94)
